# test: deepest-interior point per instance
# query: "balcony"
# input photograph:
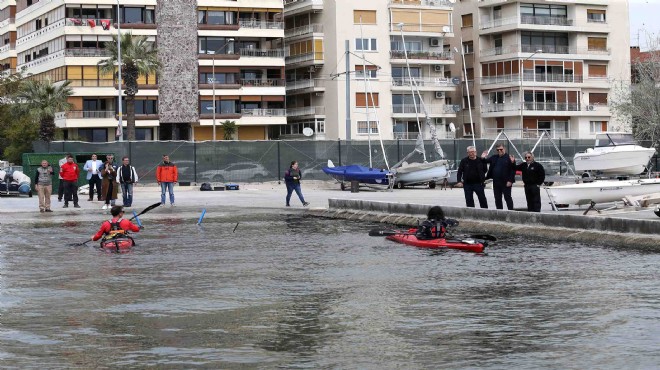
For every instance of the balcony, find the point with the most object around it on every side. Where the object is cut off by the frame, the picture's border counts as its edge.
(539, 77)
(7, 47)
(91, 52)
(423, 3)
(545, 49)
(422, 55)
(7, 72)
(409, 109)
(546, 21)
(263, 25)
(104, 23)
(422, 82)
(303, 85)
(92, 83)
(311, 58)
(536, 106)
(269, 82)
(409, 135)
(262, 53)
(42, 60)
(303, 30)
(42, 31)
(491, 133)
(7, 22)
(292, 7)
(77, 114)
(264, 112)
(305, 111)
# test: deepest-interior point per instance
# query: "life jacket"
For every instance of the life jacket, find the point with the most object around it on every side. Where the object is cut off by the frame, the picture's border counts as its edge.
(115, 230)
(431, 229)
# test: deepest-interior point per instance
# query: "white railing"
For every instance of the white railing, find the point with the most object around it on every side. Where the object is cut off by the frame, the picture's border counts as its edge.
(87, 22)
(291, 5)
(434, 3)
(303, 30)
(422, 82)
(34, 34)
(532, 106)
(546, 21)
(264, 112)
(91, 52)
(302, 84)
(313, 56)
(492, 23)
(426, 55)
(269, 82)
(539, 77)
(264, 25)
(8, 47)
(430, 109)
(423, 27)
(545, 49)
(491, 133)
(33, 8)
(7, 72)
(92, 83)
(90, 114)
(6, 22)
(42, 60)
(305, 111)
(263, 53)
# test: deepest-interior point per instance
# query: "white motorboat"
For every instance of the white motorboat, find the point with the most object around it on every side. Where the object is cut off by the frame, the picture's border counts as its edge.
(601, 191)
(614, 153)
(421, 173)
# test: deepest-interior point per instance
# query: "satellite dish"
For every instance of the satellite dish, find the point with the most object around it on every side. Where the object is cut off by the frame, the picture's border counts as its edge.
(307, 131)
(456, 81)
(457, 108)
(452, 127)
(446, 29)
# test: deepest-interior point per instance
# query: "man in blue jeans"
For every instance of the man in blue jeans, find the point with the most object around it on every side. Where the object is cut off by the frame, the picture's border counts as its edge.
(127, 177)
(472, 175)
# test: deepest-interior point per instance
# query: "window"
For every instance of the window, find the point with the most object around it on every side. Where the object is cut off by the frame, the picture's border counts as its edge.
(595, 16)
(548, 42)
(402, 72)
(364, 126)
(364, 99)
(411, 46)
(468, 47)
(372, 71)
(598, 71)
(146, 107)
(132, 15)
(94, 135)
(597, 43)
(597, 126)
(212, 45)
(465, 102)
(466, 20)
(366, 44)
(364, 16)
(598, 98)
(542, 10)
(215, 17)
(219, 78)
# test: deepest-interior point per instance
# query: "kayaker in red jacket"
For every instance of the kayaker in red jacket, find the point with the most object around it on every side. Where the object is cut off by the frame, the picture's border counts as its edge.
(117, 225)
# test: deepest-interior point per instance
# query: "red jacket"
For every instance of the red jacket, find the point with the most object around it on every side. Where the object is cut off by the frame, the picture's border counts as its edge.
(106, 227)
(167, 172)
(69, 172)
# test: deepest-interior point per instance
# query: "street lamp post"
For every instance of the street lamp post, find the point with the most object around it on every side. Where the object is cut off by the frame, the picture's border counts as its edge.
(120, 133)
(213, 78)
(522, 76)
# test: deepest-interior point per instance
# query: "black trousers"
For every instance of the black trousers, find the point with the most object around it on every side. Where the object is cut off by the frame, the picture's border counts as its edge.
(70, 191)
(501, 190)
(533, 196)
(468, 189)
(60, 190)
(95, 181)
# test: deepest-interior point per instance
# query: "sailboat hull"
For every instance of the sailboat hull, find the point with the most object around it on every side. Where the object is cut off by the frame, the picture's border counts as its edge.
(359, 173)
(418, 173)
(602, 191)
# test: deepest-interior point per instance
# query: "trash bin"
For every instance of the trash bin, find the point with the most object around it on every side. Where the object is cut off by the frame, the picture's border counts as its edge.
(355, 186)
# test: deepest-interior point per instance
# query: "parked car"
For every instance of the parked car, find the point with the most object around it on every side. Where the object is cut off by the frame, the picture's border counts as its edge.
(240, 171)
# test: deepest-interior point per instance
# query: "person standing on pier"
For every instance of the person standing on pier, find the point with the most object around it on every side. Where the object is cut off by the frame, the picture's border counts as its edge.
(503, 173)
(471, 175)
(533, 175)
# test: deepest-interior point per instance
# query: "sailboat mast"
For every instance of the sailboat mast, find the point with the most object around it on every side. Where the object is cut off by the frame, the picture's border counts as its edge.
(366, 96)
(412, 91)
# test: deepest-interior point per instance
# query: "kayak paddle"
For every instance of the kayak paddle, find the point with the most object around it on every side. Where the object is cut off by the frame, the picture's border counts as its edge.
(135, 216)
(378, 232)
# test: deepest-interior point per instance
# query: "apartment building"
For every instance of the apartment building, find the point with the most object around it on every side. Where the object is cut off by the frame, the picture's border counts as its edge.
(221, 60)
(331, 41)
(536, 65)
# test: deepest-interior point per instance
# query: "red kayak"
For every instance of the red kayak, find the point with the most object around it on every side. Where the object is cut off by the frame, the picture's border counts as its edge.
(409, 238)
(119, 244)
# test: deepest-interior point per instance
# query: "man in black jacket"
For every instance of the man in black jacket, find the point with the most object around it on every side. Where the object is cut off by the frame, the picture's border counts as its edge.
(503, 173)
(472, 174)
(533, 176)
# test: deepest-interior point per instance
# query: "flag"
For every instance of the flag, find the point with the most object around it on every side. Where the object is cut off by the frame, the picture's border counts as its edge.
(91, 22)
(105, 23)
(120, 131)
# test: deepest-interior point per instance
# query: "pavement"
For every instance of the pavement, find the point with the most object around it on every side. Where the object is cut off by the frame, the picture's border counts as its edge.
(270, 196)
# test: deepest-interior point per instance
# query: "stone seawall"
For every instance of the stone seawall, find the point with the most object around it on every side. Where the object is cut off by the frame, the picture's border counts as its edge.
(619, 232)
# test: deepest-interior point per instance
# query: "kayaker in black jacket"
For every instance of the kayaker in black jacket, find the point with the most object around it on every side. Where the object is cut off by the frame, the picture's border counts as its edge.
(503, 173)
(533, 175)
(435, 226)
(472, 174)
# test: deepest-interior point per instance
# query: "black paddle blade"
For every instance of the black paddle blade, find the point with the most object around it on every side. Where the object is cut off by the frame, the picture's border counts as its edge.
(484, 237)
(147, 209)
(378, 232)
(80, 244)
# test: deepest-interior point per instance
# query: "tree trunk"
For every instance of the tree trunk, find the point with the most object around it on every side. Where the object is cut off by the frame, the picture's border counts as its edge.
(47, 129)
(130, 117)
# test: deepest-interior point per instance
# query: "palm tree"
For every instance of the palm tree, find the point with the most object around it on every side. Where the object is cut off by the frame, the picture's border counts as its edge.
(41, 100)
(229, 128)
(138, 58)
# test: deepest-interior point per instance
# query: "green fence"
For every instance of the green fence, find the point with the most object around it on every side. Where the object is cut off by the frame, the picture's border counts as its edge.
(254, 161)
(32, 161)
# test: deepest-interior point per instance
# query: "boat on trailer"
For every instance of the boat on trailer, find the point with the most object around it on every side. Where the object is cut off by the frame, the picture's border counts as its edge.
(600, 191)
(361, 174)
(614, 153)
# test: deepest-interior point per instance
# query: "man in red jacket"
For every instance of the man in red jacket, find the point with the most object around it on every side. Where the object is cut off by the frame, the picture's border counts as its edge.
(117, 225)
(70, 172)
(166, 176)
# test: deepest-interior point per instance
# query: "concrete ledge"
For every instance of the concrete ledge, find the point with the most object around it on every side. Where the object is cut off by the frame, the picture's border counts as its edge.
(553, 226)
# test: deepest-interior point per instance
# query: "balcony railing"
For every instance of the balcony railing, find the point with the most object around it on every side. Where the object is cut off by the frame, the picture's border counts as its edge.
(532, 106)
(538, 77)
(92, 83)
(263, 53)
(7, 22)
(104, 23)
(291, 5)
(546, 49)
(491, 133)
(42, 31)
(425, 55)
(7, 72)
(546, 21)
(441, 134)
(91, 52)
(305, 111)
(10, 46)
(264, 112)
(422, 82)
(270, 82)
(90, 114)
(302, 84)
(41, 60)
(492, 23)
(264, 25)
(434, 3)
(430, 109)
(303, 30)
(316, 57)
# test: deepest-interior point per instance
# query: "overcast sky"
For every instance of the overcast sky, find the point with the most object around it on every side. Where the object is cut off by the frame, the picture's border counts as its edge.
(644, 16)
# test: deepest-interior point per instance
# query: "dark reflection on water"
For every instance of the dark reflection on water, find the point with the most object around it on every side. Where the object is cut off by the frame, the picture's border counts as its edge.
(300, 292)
